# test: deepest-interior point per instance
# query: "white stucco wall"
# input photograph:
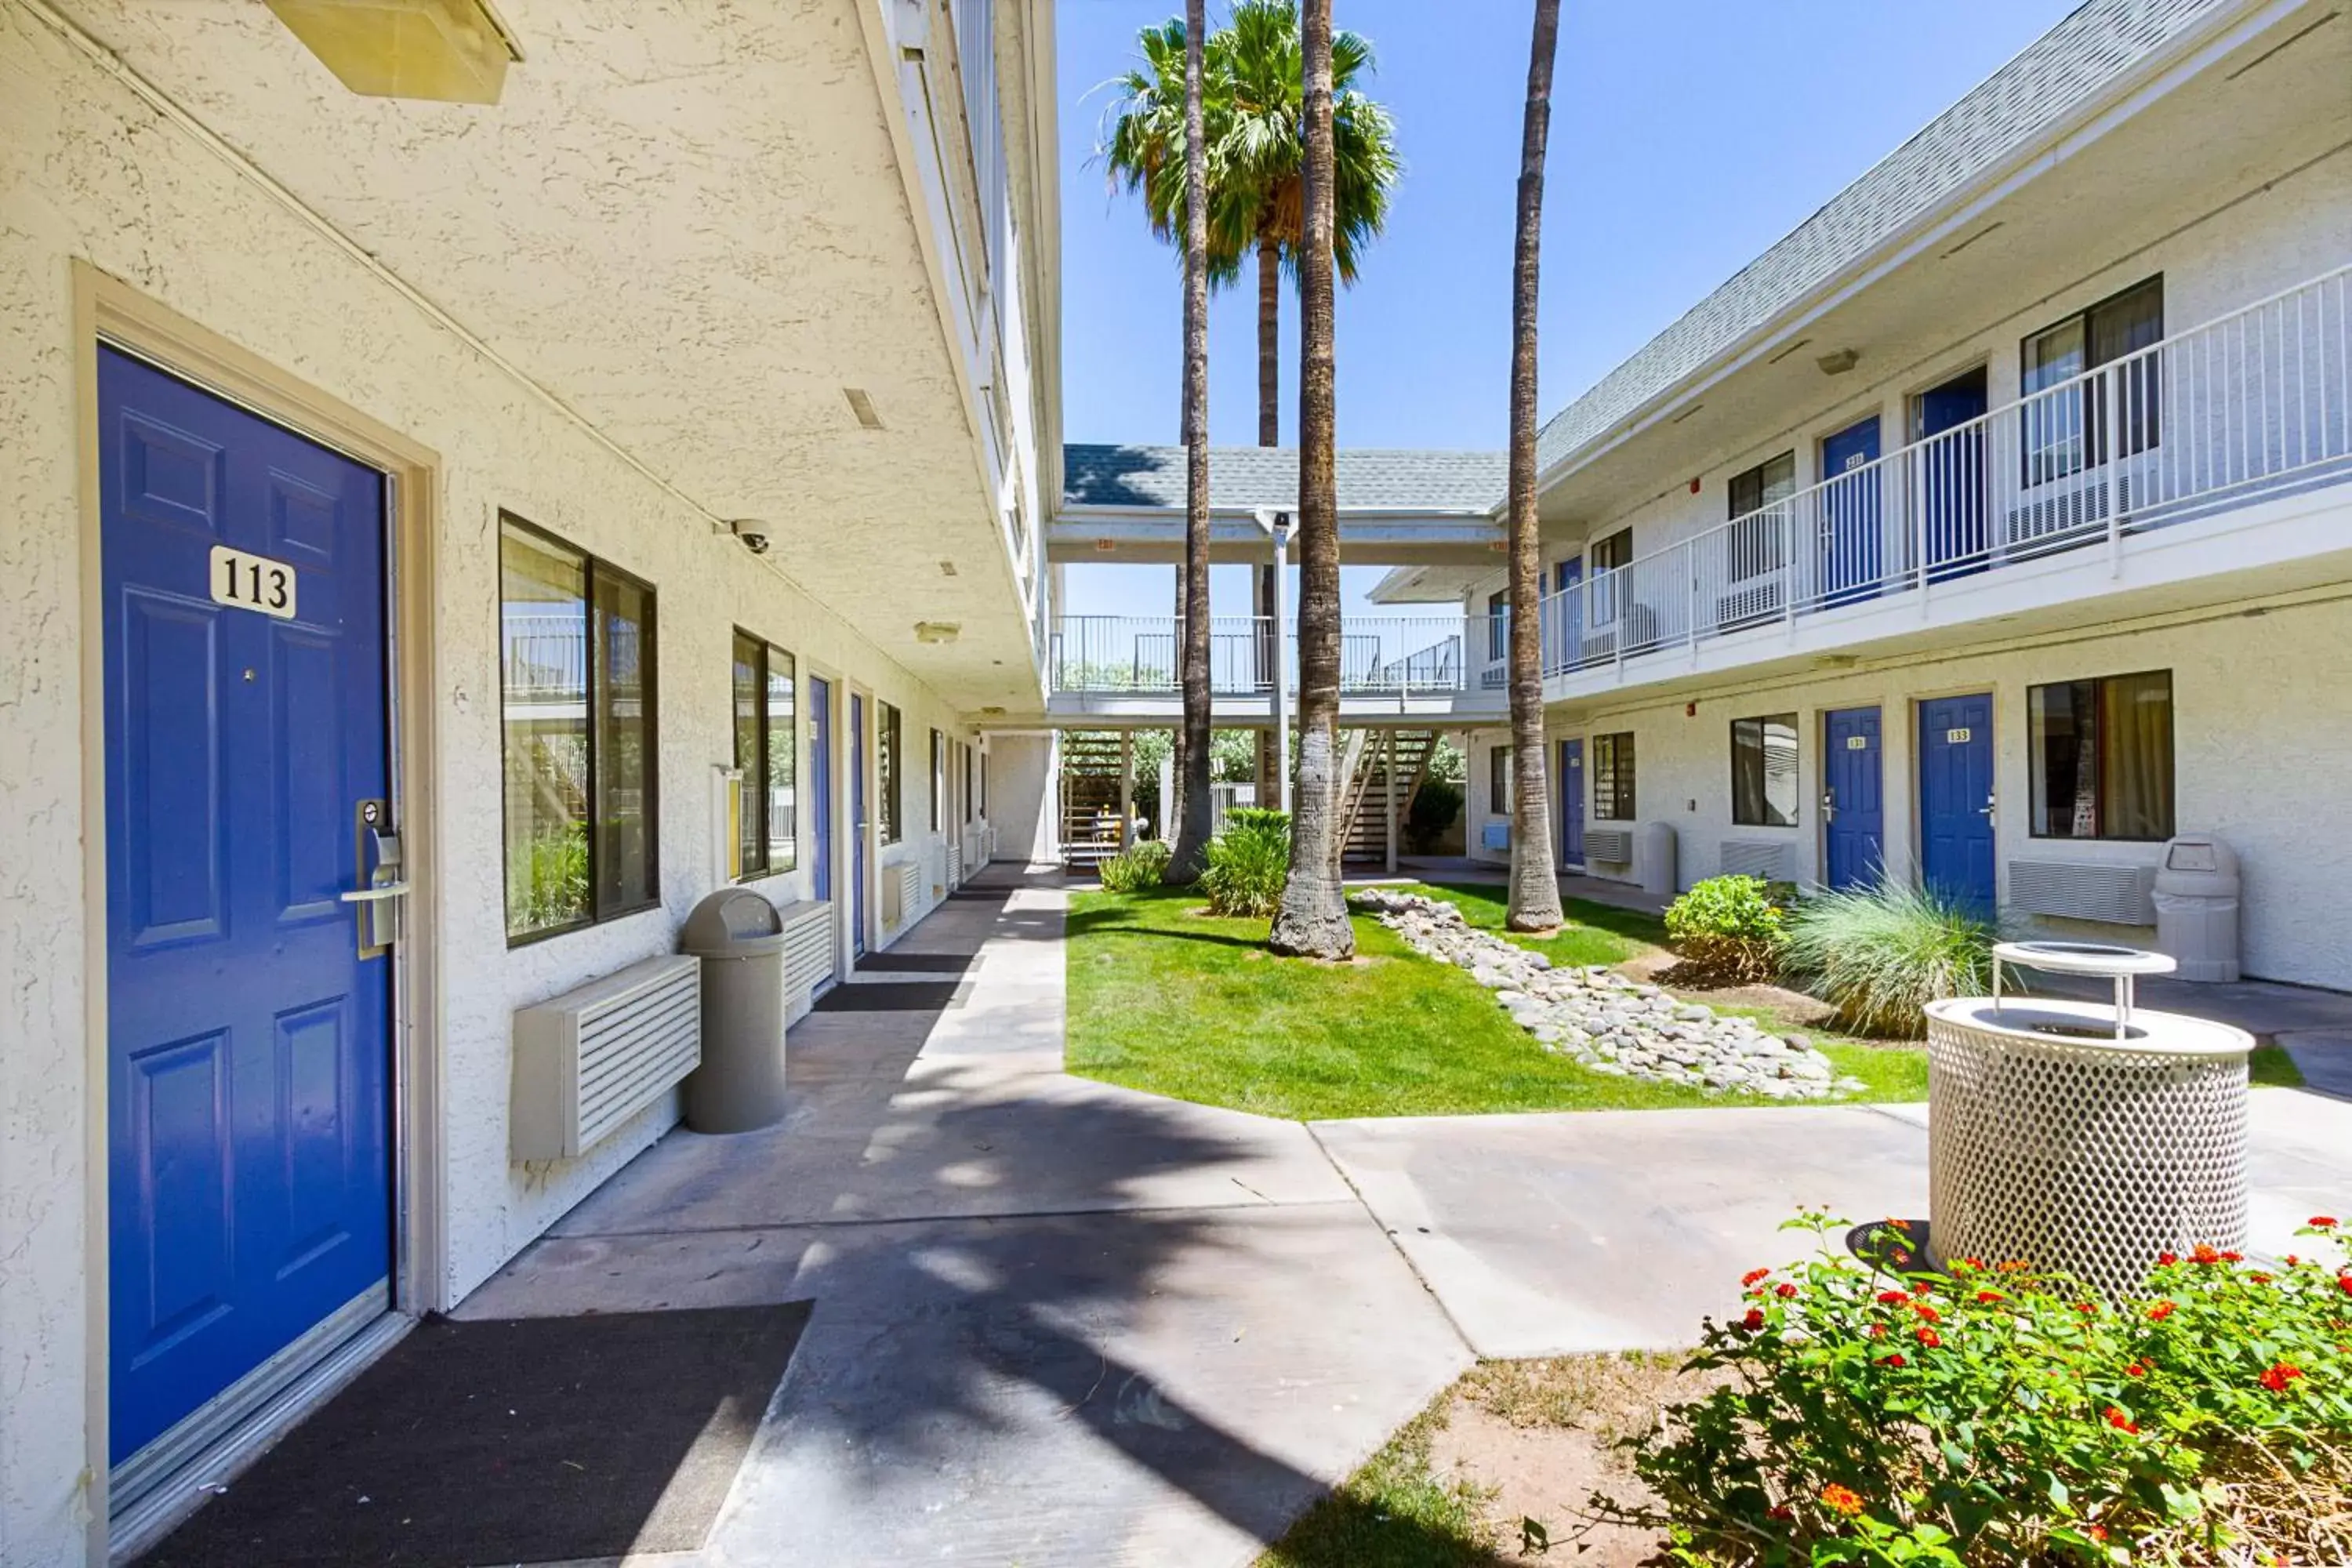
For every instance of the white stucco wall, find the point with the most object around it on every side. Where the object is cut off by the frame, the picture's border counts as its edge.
(2262, 756)
(1021, 796)
(91, 172)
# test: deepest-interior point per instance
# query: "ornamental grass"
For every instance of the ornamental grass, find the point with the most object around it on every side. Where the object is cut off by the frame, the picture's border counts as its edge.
(1998, 1414)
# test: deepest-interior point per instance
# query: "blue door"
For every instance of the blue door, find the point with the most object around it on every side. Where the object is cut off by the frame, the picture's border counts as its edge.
(1563, 630)
(1572, 803)
(1854, 806)
(1950, 476)
(821, 786)
(1848, 568)
(249, 1115)
(1956, 799)
(856, 824)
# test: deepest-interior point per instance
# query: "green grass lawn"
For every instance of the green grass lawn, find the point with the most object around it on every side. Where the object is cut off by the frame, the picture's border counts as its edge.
(1174, 1002)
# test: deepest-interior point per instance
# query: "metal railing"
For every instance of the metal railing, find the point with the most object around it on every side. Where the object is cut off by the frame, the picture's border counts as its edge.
(1139, 655)
(2254, 404)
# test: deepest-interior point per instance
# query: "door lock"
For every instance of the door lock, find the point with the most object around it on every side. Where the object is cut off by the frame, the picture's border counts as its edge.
(377, 900)
(1829, 805)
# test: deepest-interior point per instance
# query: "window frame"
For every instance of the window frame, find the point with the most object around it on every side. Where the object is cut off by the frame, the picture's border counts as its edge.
(1499, 625)
(889, 784)
(2048, 451)
(1761, 752)
(593, 569)
(1602, 563)
(1498, 768)
(2036, 773)
(1755, 543)
(749, 871)
(1612, 757)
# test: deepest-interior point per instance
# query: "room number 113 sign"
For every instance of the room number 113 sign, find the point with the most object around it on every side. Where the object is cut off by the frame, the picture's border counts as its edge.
(252, 583)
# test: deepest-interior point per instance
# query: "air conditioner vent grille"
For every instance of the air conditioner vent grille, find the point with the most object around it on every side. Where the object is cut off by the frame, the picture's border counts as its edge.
(587, 1062)
(2083, 890)
(1613, 845)
(1770, 859)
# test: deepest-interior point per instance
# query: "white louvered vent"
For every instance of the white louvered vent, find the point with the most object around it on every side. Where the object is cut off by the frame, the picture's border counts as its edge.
(2083, 890)
(938, 860)
(911, 892)
(1770, 858)
(586, 1061)
(1613, 845)
(808, 953)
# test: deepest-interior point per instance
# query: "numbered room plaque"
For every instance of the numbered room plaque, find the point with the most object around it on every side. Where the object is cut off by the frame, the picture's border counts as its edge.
(246, 581)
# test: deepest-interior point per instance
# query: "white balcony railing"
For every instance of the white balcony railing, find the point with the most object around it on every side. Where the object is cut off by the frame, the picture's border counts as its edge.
(1138, 655)
(2255, 404)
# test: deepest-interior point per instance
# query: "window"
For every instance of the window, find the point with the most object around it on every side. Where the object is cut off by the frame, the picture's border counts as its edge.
(577, 691)
(1613, 778)
(767, 747)
(1764, 772)
(887, 770)
(1499, 627)
(2065, 431)
(971, 810)
(2101, 757)
(1755, 495)
(1498, 781)
(938, 780)
(1602, 558)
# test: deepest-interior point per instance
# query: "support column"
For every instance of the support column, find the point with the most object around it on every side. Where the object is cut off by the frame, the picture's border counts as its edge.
(1126, 789)
(1388, 776)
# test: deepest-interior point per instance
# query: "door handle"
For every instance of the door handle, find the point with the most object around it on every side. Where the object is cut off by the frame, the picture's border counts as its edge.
(374, 895)
(380, 883)
(1829, 805)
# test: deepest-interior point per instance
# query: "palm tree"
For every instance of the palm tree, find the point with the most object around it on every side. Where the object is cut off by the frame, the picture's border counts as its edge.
(1148, 147)
(1313, 919)
(1257, 205)
(1535, 890)
(1190, 853)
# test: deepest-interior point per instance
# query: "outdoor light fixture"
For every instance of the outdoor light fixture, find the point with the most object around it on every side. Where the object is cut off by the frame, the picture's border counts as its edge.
(449, 51)
(1840, 362)
(938, 631)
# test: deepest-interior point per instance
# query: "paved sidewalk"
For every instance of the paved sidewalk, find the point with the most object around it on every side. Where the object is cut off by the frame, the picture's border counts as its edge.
(1056, 1322)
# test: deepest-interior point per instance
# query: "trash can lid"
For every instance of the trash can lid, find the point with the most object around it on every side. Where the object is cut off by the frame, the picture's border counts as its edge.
(732, 923)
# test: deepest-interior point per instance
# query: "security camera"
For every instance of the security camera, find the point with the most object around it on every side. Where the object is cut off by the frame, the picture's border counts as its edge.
(752, 533)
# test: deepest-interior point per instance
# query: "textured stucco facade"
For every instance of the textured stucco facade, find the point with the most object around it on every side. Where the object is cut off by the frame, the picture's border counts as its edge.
(91, 172)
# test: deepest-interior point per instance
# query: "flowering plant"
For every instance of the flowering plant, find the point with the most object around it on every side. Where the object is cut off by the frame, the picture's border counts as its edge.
(2021, 1420)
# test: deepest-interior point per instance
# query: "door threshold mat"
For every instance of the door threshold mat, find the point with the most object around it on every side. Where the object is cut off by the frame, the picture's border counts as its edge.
(917, 962)
(891, 996)
(511, 1440)
(994, 895)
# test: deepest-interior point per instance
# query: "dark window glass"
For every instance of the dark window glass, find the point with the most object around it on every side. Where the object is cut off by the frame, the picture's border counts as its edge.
(1755, 544)
(1499, 627)
(1498, 781)
(886, 766)
(1764, 772)
(578, 697)
(970, 800)
(1613, 777)
(1603, 557)
(2064, 431)
(767, 751)
(2101, 759)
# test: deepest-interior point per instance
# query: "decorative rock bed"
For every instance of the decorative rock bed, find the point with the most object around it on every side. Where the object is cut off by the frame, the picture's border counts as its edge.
(1606, 1021)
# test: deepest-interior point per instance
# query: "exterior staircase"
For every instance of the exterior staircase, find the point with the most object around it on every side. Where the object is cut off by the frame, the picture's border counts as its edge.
(1090, 798)
(1363, 805)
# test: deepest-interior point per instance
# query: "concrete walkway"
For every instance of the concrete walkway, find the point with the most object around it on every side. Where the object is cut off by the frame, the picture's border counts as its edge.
(1058, 1322)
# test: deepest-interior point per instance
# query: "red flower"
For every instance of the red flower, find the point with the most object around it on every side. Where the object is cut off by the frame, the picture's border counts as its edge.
(1752, 1276)
(1921, 1289)
(1842, 1499)
(2292, 1261)
(1894, 1361)
(1891, 1298)
(2279, 1375)
(2345, 1280)
(1929, 1337)
(2086, 1308)
(1928, 1314)
(2096, 1532)
(2121, 1422)
(1987, 1298)
(2166, 1260)
(2137, 1369)
(1753, 1320)
(1877, 1331)
(1973, 1262)
(1784, 1290)
(2323, 1222)
(2259, 1278)
(2233, 1257)
(1779, 1511)
(2164, 1309)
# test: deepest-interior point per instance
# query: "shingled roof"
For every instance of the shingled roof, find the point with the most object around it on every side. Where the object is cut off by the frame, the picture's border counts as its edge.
(2002, 117)
(1245, 478)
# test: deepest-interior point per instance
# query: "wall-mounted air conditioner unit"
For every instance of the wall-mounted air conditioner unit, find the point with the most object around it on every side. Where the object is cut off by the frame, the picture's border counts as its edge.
(590, 1059)
(2083, 890)
(1612, 845)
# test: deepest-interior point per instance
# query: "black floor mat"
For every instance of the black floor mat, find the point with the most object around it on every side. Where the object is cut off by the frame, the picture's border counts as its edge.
(889, 996)
(522, 1440)
(917, 963)
(994, 895)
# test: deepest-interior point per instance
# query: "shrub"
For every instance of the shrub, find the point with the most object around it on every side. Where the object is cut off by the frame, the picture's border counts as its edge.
(1728, 929)
(1248, 863)
(1996, 1416)
(1137, 868)
(1435, 807)
(1880, 955)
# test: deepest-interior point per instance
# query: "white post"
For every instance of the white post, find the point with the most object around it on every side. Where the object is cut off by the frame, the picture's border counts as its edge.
(1126, 789)
(1168, 797)
(1388, 774)
(1278, 524)
(2111, 421)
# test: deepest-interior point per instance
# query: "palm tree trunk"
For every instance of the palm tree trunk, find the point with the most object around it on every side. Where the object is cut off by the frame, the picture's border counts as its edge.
(1269, 434)
(1313, 921)
(1535, 889)
(1192, 748)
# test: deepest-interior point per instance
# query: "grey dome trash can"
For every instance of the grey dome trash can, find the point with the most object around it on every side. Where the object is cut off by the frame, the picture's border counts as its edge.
(2197, 907)
(1654, 858)
(740, 938)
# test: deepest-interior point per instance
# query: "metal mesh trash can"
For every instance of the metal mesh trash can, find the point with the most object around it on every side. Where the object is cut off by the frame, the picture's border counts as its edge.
(2053, 1141)
(740, 938)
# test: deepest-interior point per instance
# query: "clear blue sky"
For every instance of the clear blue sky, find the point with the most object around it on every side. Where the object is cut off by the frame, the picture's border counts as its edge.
(1686, 136)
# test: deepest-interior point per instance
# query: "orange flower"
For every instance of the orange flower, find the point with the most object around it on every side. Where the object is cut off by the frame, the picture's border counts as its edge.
(1840, 1500)
(1929, 1337)
(2121, 1422)
(2205, 1255)
(2164, 1309)
(2279, 1375)
(2259, 1278)
(2292, 1261)
(1928, 1314)
(2014, 1265)
(2096, 1532)
(1752, 1276)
